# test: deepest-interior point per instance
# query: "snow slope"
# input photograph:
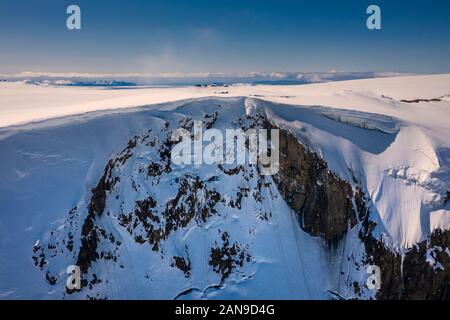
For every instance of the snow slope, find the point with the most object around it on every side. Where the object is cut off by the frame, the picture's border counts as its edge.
(21, 103)
(52, 157)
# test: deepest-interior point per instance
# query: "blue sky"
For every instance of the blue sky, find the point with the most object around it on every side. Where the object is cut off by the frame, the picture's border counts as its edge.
(224, 36)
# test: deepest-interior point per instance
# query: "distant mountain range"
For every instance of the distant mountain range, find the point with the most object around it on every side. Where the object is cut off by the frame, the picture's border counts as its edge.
(135, 79)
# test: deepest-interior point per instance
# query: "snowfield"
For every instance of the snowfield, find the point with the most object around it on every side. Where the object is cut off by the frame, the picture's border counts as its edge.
(390, 135)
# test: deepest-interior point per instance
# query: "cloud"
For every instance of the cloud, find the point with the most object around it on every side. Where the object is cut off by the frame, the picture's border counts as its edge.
(166, 59)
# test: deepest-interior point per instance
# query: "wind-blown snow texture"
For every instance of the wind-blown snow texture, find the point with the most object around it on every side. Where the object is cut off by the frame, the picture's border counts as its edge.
(237, 237)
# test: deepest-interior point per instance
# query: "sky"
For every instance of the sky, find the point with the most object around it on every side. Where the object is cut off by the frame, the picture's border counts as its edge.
(167, 36)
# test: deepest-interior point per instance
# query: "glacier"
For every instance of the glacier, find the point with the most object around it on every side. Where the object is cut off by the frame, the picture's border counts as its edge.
(247, 243)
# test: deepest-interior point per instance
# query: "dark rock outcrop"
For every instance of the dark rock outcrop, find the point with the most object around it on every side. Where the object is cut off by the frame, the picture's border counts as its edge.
(227, 257)
(411, 276)
(421, 273)
(322, 200)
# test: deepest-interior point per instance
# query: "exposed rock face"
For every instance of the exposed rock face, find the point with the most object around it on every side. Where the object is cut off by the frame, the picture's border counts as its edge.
(193, 201)
(226, 258)
(426, 269)
(423, 272)
(321, 199)
(91, 233)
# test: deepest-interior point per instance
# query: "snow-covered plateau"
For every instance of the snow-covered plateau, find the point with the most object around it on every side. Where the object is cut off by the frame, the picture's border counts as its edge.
(364, 180)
